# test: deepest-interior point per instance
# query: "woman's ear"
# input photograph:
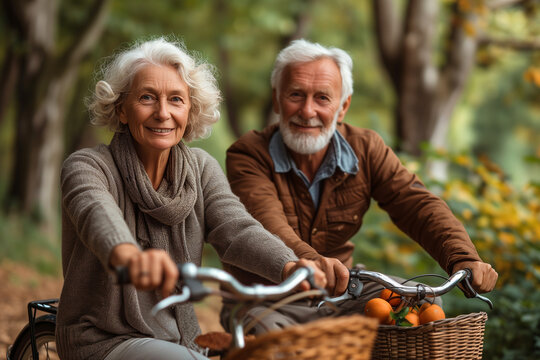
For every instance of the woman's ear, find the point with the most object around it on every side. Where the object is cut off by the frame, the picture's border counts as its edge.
(119, 109)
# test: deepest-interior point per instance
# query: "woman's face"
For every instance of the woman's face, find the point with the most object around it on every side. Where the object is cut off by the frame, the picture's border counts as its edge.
(156, 109)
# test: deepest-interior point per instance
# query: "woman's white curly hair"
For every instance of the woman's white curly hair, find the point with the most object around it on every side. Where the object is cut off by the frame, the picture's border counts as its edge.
(118, 73)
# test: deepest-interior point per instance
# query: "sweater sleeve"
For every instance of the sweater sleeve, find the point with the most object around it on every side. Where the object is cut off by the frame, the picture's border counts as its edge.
(238, 238)
(416, 211)
(90, 202)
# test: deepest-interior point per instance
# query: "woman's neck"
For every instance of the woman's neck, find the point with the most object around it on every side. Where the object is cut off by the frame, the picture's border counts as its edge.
(154, 164)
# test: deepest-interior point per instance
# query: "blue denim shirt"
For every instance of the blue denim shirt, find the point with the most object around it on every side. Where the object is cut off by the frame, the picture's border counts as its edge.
(340, 154)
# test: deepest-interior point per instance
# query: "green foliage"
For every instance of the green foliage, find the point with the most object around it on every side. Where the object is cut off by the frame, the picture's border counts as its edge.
(512, 331)
(21, 240)
(399, 317)
(503, 223)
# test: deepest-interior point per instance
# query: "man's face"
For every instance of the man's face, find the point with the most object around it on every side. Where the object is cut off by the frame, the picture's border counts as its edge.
(309, 104)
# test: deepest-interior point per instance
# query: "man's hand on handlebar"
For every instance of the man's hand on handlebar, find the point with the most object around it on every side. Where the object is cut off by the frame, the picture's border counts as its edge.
(337, 275)
(319, 276)
(484, 276)
(148, 270)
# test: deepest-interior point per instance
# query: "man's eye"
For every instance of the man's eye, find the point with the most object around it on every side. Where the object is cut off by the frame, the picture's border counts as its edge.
(295, 95)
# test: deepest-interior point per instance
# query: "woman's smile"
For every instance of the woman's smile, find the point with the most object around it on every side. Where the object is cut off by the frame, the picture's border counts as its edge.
(160, 130)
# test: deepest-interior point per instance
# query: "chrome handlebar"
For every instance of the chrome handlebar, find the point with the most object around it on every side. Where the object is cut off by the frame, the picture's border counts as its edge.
(420, 290)
(191, 276)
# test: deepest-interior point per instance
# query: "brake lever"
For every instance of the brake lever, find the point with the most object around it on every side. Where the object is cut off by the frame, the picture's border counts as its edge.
(469, 292)
(354, 289)
(183, 297)
(193, 290)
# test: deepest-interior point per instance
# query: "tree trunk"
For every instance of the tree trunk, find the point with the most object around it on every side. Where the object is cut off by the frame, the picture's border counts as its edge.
(43, 85)
(426, 94)
(8, 78)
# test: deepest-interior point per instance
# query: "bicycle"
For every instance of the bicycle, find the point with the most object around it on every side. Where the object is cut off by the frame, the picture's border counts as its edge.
(38, 336)
(193, 289)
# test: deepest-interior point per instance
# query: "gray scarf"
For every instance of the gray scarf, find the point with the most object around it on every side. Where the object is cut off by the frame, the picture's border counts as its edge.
(163, 212)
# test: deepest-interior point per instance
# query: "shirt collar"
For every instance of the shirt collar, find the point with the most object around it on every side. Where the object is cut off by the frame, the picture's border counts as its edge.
(342, 156)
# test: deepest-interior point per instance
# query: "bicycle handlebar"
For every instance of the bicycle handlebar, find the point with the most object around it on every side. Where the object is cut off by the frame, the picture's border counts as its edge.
(192, 290)
(419, 291)
(405, 290)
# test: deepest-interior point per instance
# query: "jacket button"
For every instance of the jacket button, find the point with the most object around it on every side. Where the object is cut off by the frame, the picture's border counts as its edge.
(355, 217)
(314, 231)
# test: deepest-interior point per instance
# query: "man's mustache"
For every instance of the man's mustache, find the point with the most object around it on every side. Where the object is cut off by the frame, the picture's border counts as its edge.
(313, 122)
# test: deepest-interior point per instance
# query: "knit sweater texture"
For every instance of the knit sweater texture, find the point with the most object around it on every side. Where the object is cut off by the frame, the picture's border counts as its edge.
(95, 314)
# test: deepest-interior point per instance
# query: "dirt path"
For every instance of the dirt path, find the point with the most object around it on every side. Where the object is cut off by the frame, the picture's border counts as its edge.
(20, 284)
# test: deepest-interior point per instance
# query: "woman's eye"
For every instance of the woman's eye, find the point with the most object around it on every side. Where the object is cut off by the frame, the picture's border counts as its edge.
(177, 99)
(146, 98)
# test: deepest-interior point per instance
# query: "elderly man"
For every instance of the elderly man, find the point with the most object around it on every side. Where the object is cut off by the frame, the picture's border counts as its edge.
(309, 179)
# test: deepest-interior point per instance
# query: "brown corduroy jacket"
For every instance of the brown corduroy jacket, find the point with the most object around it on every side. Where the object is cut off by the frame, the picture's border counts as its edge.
(282, 203)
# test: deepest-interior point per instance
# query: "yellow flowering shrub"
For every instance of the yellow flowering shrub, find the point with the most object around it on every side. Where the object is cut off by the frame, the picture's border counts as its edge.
(503, 222)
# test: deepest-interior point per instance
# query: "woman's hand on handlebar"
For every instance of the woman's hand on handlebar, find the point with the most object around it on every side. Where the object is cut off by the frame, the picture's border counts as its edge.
(148, 270)
(484, 276)
(319, 276)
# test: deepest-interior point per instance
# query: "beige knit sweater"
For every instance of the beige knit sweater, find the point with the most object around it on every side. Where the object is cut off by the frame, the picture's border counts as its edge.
(94, 313)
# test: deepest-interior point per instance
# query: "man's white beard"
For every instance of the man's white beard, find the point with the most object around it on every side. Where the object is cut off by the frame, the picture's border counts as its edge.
(306, 144)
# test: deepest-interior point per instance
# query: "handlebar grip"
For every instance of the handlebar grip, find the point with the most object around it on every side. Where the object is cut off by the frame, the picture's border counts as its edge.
(466, 286)
(122, 275)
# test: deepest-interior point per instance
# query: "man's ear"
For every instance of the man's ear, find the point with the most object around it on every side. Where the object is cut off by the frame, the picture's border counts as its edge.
(275, 102)
(343, 110)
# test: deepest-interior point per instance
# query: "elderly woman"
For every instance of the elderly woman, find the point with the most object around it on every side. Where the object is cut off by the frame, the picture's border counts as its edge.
(147, 201)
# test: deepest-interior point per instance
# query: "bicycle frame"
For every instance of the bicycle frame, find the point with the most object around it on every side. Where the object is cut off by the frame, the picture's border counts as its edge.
(33, 307)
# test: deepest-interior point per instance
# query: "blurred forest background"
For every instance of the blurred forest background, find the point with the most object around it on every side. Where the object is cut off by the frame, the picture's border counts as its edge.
(452, 85)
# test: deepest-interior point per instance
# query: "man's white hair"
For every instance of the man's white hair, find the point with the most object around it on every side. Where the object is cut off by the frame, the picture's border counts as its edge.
(117, 77)
(300, 51)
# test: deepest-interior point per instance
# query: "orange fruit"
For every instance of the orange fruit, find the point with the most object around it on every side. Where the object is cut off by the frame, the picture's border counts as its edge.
(431, 313)
(379, 309)
(413, 318)
(424, 307)
(390, 296)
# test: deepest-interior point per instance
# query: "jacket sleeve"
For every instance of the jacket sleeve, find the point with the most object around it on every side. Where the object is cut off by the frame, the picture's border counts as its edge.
(251, 178)
(238, 238)
(416, 211)
(90, 205)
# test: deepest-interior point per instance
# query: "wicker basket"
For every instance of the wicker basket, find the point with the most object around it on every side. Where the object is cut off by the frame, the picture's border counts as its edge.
(348, 337)
(461, 337)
